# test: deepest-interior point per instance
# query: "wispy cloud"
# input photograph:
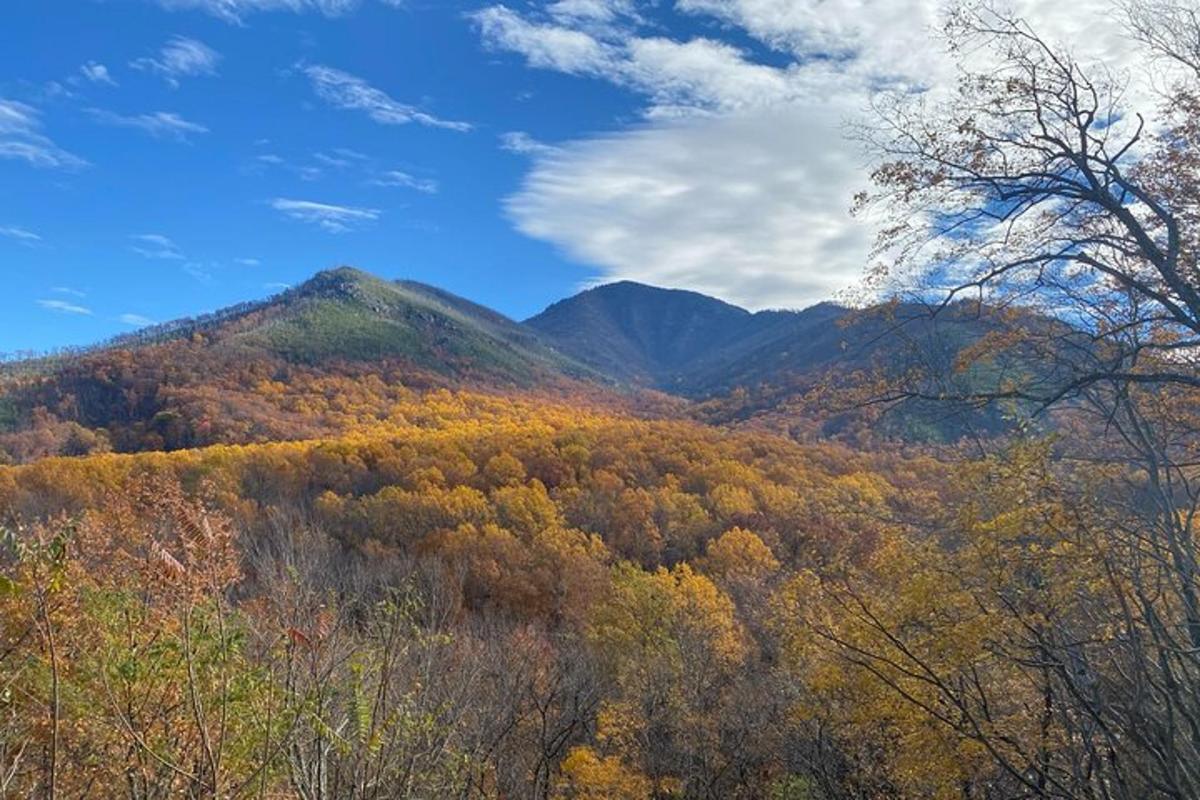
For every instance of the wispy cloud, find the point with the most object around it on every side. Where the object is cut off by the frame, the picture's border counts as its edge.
(522, 143)
(710, 192)
(235, 11)
(247, 262)
(546, 45)
(159, 123)
(395, 177)
(332, 218)
(20, 234)
(307, 172)
(348, 162)
(63, 307)
(155, 245)
(277, 286)
(97, 73)
(738, 180)
(592, 11)
(21, 139)
(136, 320)
(690, 77)
(347, 91)
(180, 57)
(340, 157)
(198, 271)
(67, 290)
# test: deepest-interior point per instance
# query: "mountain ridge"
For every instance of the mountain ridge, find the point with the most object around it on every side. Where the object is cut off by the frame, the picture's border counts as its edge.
(686, 342)
(435, 315)
(637, 332)
(254, 371)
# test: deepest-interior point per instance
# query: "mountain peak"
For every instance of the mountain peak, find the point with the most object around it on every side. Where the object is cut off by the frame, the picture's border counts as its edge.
(347, 315)
(337, 282)
(626, 290)
(636, 332)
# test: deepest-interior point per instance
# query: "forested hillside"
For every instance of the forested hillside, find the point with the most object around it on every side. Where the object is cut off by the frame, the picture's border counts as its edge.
(339, 349)
(366, 539)
(576, 577)
(317, 359)
(641, 334)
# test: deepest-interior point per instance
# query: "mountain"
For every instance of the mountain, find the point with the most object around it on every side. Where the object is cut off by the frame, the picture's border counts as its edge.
(346, 347)
(338, 350)
(768, 345)
(688, 343)
(346, 314)
(770, 367)
(694, 345)
(640, 334)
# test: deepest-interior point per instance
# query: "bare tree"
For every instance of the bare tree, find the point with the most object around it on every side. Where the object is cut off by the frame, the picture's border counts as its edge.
(1059, 202)
(1169, 28)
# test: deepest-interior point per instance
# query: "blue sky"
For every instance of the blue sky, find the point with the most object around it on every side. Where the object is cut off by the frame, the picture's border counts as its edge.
(162, 158)
(267, 136)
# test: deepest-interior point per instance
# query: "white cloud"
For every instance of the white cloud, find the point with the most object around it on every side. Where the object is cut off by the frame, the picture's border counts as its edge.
(395, 177)
(337, 162)
(707, 204)
(97, 73)
(20, 234)
(277, 286)
(21, 139)
(63, 307)
(697, 75)
(522, 143)
(137, 320)
(67, 290)
(887, 40)
(332, 218)
(235, 11)
(247, 262)
(341, 157)
(155, 245)
(158, 123)
(592, 11)
(347, 91)
(306, 172)
(180, 57)
(545, 45)
(350, 155)
(198, 271)
(739, 178)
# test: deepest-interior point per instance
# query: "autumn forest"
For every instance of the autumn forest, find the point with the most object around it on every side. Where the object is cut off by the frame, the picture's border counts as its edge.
(366, 539)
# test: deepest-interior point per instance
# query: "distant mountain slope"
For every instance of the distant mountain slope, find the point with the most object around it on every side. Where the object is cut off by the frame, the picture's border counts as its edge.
(348, 314)
(697, 346)
(775, 365)
(770, 344)
(346, 348)
(688, 343)
(318, 358)
(345, 314)
(639, 334)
